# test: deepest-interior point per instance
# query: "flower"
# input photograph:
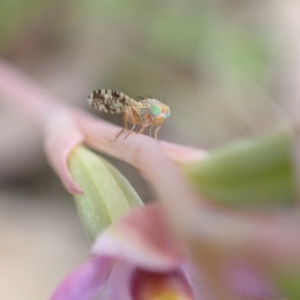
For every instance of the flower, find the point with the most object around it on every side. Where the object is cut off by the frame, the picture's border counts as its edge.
(135, 258)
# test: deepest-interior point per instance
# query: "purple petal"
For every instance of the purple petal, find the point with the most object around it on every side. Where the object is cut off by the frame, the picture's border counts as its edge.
(104, 293)
(86, 281)
(245, 279)
(120, 281)
(143, 238)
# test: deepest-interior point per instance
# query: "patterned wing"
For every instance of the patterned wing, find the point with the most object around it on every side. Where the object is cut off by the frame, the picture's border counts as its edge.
(110, 101)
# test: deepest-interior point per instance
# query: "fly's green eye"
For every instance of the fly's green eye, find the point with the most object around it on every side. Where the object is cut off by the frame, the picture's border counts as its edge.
(155, 109)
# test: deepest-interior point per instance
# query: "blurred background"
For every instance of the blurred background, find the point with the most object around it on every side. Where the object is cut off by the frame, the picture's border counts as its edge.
(227, 68)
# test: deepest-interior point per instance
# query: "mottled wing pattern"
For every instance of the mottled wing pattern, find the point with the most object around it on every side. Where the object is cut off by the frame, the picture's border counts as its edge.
(110, 101)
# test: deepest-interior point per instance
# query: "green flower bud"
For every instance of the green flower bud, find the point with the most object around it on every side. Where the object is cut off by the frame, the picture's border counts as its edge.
(107, 193)
(254, 172)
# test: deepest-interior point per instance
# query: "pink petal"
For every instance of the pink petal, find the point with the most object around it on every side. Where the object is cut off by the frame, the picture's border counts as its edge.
(183, 154)
(62, 136)
(142, 238)
(197, 282)
(25, 95)
(86, 281)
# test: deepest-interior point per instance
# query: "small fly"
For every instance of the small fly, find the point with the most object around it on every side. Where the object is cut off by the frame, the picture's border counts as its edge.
(147, 113)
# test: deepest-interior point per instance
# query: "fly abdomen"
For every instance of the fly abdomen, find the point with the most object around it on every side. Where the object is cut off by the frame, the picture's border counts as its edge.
(110, 101)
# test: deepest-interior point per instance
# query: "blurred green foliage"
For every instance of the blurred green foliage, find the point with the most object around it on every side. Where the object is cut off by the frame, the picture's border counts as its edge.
(17, 16)
(178, 34)
(255, 172)
(288, 282)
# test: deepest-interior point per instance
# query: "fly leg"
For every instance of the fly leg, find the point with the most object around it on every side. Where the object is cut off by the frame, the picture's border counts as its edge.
(150, 130)
(125, 124)
(130, 131)
(142, 129)
(156, 131)
(146, 122)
